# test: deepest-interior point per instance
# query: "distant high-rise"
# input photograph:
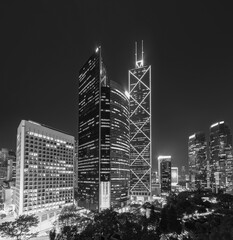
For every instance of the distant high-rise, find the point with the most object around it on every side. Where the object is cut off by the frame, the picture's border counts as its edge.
(3, 168)
(103, 138)
(221, 160)
(174, 176)
(164, 166)
(182, 180)
(140, 129)
(7, 167)
(44, 168)
(197, 151)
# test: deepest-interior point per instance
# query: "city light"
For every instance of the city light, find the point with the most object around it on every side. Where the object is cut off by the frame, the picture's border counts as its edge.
(163, 157)
(127, 94)
(192, 136)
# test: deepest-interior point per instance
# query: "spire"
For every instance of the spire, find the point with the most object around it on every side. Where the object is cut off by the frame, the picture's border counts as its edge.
(138, 63)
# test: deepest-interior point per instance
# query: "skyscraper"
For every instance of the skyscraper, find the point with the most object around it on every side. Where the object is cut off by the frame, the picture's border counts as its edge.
(197, 151)
(164, 168)
(102, 125)
(119, 136)
(221, 160)
(140, 129)
(44, 168)
(174, 176)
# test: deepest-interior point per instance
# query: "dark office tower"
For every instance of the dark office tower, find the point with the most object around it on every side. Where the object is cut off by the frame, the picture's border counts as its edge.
(197, 151)
(140, 130)
(103, 125)
(221, 160)
(164, 166)
(119, 146)
(94, 135)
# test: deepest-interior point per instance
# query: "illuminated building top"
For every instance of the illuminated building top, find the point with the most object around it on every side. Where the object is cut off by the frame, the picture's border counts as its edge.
(216, 124)
(138, 63)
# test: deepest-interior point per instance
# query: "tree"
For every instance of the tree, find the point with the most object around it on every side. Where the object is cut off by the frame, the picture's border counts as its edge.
(164, 221)
(104, 224)
(225, 200)
(20, 227)
(173, 223)
(111, 225)
(52, 234)
(71, 222)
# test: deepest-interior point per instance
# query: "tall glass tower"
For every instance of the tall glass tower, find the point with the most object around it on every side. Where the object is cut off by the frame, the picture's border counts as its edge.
(197, 151)
(119, 105)
(103, 138)
(221, 160)
(94, 135)
(140, 129)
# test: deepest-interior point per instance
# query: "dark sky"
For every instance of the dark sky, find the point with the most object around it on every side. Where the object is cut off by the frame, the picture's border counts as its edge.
(189, 45)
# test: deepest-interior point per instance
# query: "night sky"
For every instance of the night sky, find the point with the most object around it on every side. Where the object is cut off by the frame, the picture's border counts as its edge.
(189, 45)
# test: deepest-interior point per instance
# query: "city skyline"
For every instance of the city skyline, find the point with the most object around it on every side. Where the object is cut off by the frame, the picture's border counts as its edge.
(187, 45)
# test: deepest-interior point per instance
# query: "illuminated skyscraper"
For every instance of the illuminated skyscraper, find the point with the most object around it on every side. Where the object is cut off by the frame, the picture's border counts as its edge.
(94, 135)
(44, 168)
(103, 126)
(140, 129)
(164, 167)
(221, 160)
(197, 151)
(119, 145)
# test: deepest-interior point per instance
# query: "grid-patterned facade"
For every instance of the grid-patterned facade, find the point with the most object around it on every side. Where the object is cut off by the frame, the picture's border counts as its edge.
(164, 166)
(44, 168)
(3, 168)
(94, 135)
(197, 151)
(140, 130)
(221, 160)
(7, 169)
(119, 146)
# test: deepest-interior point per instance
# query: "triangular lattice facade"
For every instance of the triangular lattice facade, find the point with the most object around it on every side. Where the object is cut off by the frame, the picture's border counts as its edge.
(140, 131)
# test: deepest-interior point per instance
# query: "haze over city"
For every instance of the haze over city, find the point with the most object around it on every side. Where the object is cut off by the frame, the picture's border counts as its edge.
(187, 44)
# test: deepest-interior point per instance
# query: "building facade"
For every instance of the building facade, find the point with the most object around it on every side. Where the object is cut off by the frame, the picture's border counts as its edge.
(164, 169)
(102, 126)
(140, 130)
(119, 135)
(221, 160)
(7, 168)
(197, 152)
(44, 168)
(174, 176)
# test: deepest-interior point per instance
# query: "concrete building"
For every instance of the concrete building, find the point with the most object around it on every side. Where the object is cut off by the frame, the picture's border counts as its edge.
(44, 168)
